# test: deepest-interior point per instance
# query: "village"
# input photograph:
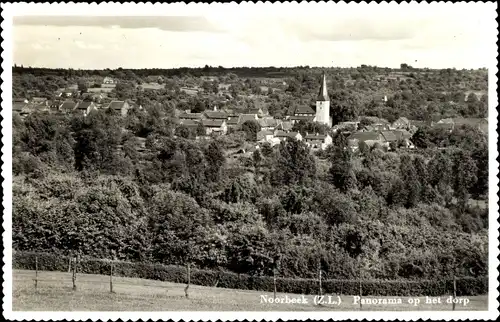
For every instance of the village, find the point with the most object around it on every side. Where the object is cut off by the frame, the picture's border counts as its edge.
(365, 131)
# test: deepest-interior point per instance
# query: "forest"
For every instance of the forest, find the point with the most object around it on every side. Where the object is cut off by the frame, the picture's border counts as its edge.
(81, 185)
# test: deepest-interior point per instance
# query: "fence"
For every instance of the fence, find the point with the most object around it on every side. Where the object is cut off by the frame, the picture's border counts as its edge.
(177, 274)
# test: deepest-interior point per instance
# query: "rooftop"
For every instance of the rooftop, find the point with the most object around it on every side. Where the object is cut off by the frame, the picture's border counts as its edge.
(116, 105)
(323, 90)
(365, 136)
(212, 123)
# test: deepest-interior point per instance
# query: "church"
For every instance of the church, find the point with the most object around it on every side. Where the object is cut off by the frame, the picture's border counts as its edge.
(322, 113)
(323, 104)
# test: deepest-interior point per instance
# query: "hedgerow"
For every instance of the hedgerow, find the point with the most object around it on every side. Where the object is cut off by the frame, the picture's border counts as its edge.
(50, 262)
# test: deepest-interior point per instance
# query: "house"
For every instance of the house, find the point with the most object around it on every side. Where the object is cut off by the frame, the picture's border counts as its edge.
(346, 126)
(268, 123)
(283, 136)
(447, 120)
(318, 141)
(264, 136)
(190, 123)
(306, 118)
(285, 126)
(54, 105)
(446, 126)
(389, 136)
(65, 93)
(190, 116)
(20, 100)
(402, 134)
(216, 115)
(247, 117)
(108, 80)
(85, 108)
(134, 105)
(21, 108)
(43, 107)
(97, 97)
(39, 100)
(404, 137)
(120, 106)
(232, 123)
(377, 127)
(214, 126)
(257, 111)
(479, 123)
(67, 106)
(401, 123)
(419, 124)
(304, 110)
(369, 138)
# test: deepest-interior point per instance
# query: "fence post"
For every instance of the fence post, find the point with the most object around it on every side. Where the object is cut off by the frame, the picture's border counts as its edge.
(36, 273)
(360, 285)
(111, 277)
(360, 293)
(320, 288)
(74, 274)
(188, 280)
(454, 290)
(274, 282)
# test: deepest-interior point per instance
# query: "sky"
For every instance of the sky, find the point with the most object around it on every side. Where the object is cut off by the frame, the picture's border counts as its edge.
(326, 35)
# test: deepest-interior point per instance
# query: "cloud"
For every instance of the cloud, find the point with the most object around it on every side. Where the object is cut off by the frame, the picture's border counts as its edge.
(167, 23)
(83, 45)
(262, 36)
(350, 29)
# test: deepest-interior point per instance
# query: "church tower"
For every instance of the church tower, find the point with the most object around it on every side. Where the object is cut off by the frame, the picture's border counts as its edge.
(323, 104)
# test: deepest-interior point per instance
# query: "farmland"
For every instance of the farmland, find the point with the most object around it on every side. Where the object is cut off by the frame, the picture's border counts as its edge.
(55, 293)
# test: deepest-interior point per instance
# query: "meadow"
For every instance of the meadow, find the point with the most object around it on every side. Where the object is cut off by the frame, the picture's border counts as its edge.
(54, 293)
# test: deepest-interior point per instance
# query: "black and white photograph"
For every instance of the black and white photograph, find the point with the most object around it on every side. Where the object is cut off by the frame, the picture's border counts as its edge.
(250, 161)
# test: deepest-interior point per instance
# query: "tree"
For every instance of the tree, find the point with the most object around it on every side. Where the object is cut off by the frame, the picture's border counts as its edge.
(344, 106)
(174, 220)
(214, 155)
(304, 127)
(364, 122)
(183, 131)
(257, 158)
(421, 138)
(411, 185)
(199, 106)
(294, 163)
(480, 156)
(251, 128)
(464, 170)
(267, 150)
(82, 87)
(341, 170)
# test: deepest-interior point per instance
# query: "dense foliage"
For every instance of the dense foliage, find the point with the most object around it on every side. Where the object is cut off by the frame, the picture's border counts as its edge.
(81, 184)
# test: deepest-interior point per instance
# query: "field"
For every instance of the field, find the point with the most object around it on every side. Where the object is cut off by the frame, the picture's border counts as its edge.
(54, 293)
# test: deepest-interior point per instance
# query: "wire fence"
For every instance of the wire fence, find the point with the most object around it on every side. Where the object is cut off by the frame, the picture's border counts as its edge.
(75, 277)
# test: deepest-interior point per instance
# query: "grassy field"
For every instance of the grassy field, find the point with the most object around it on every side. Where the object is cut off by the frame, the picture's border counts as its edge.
(54, 293)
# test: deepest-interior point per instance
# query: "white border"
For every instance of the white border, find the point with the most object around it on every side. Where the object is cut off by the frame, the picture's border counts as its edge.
(9, 10)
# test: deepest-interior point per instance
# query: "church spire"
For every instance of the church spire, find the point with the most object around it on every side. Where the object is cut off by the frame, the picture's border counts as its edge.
(323, 91)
